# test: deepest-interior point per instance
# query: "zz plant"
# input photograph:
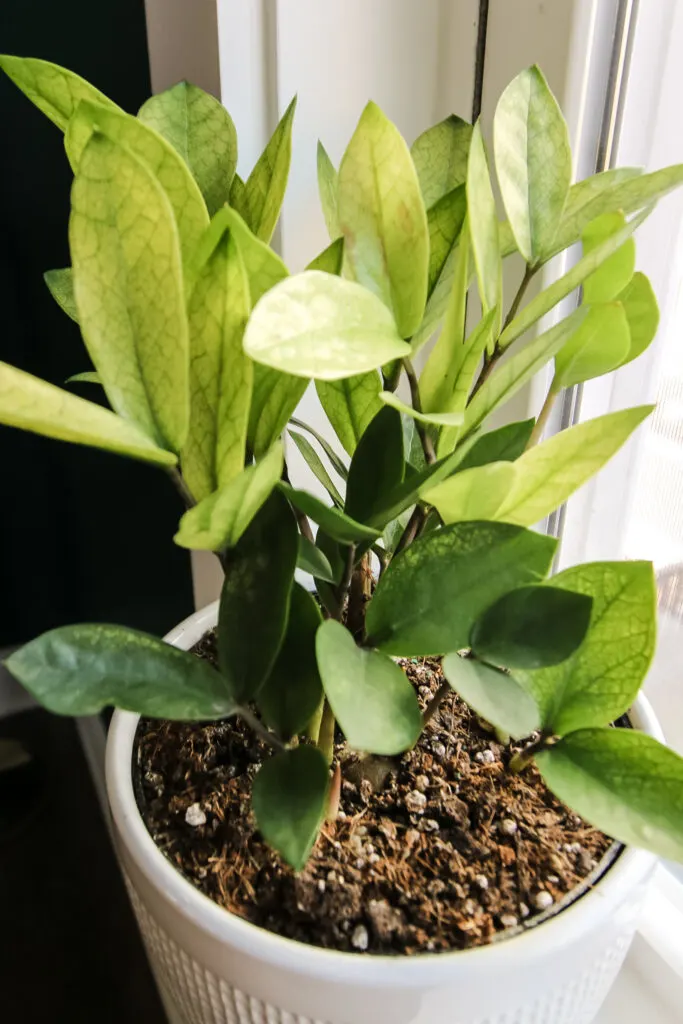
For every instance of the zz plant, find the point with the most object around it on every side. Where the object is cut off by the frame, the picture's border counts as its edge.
(204, 343)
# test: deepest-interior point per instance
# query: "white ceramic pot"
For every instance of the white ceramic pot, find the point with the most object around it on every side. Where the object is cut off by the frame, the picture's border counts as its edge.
(215, 968)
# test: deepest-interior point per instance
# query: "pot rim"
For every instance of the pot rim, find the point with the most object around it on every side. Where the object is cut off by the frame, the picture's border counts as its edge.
(432, 969)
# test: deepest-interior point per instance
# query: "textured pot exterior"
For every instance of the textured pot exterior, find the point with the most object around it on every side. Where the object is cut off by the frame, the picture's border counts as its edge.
(214, 968)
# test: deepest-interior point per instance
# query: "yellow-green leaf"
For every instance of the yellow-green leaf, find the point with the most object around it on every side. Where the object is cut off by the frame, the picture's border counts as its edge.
(264, 267)
(441, 419)
(61, 285)
(350, 404)
(327, 189)
(639, 303)
(599, 344)
(483, 224)
(440, 157)
(612, 276)
(53, 89)
(128, 284)
(476, 493)
(445, 221)
(274, 398)
(330, 259)
(264, 189)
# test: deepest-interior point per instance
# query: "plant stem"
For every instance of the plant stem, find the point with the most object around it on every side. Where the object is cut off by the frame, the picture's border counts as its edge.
(516, 302)
(413, 527)
(335, 794)
(326, 735)
(359, 594)
(524, 758)
(182, 487)
(433, 705)
(490, 361)
(345, 580)
(540, 424)
(259, 728)
(427, 443)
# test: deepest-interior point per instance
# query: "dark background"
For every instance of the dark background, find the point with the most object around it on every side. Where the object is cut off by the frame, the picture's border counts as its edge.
(84, 535)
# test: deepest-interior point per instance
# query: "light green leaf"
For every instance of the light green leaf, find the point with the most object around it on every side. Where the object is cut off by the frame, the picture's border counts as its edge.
(531, 627)
(497, 697)
(220, 519)
(600, 344)
(254, 606)
(543, 303)
(289, 800)
(199, 127)
(550, 472)
(502, 445)
(78, 670)
(350, 404)
(330, 260)
(483, 224)
(383, 220)
(462, 373)
(53, 89)
(293, 689)
(274, 398)
(371, 697)
(516, 371)
(437, 303)
(639, 303)
(313, 561)
(622, 782)
(61, 285)
(265, 187)
(220, 374)
(32, 404)
(431, 594)
(315, 464)
(264, 267)
(337, 464)
(128, 284)
(320, 326)
(335, 523)
(440, 158)
(605, 283)
(88, 377)
(476, 493)
(327, 189)
(160, 158)
(601, 680)
(445, 222)
(533, 161)
(443, 419)
(376, 467)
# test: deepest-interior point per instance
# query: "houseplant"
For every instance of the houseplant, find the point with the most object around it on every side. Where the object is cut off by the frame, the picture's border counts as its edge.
(204, 344)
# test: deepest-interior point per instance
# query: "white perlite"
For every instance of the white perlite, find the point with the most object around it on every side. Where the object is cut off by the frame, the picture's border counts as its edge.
(543, 900)
(416, 802)
(360, 938)
(195, 816)
(508, 826)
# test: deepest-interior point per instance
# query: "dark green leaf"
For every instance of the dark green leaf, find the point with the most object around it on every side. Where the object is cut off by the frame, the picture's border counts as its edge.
(312, 560)
(376, 467)
(314, 463)
(334, 553)
(335, 523)
(61, 285)
(293, 689)
(432, 593)
(532, 627)
(495, 696)
(78, 670)
(502, 445)
(350, 404)
(255, 598)
(290, 800)
(371, 697)
(623, 782)
(274, 398)
(440, 157)
(330, 259)
(264, 189)
(337, 464)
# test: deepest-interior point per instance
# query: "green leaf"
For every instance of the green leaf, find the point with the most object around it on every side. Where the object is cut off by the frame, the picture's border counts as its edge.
(293, 689)
(502, 445)
(128, 284)
(289, 800)
(376, 467)
(600, 344)
(327, 189)
(335, 523)
(330, 259)
(254, 606)
(440, 158)
(550, 472)
(532, 627)
(413, 451)
(533, 161)
(238, 197)
(314, 463)
(558, 290)
(160, 158)
(274, 398)
(334, 553)
(516, 371)
(371, 697)
(495, 696)
(350, 404)
(199, 127)
(264, 267)
(312, 560)
(437, 303)
(443, 419)
(601, 680)
(445, 222)
(337, 464)
(53, 89)
(220, 519)
(623, 782)
(428, 599)
(605, 283)
(221, 375)
(483, 224)
(32, 404)
(393, 531)
(88, 377)
(78, 670)
(383, 219)
(461, 374)
(639, 303)
(476, 493)
(320, 326)
(265, 187)
(61, 285)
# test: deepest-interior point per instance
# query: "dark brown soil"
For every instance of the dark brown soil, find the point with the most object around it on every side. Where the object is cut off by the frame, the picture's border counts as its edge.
(443, 850)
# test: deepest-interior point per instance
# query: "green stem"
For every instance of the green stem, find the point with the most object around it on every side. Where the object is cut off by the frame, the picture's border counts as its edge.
(433, 706)
(523, 759)
(423, 433)
(259, 728)
(326, 735)
(542, 420)
(490, 361)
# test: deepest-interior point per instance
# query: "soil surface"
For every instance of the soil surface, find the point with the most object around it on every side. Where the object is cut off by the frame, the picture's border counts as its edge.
(439, 849)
